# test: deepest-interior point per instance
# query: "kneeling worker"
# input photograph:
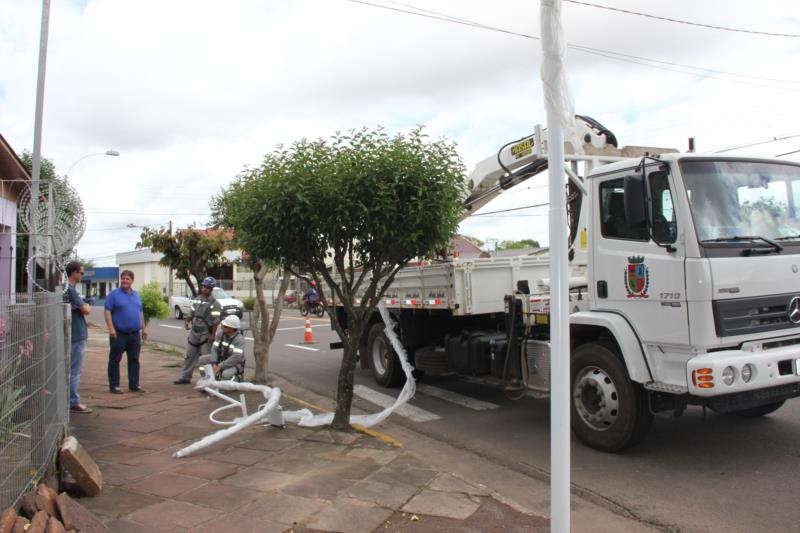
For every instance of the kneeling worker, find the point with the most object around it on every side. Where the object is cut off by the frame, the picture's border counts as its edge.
(227, 351)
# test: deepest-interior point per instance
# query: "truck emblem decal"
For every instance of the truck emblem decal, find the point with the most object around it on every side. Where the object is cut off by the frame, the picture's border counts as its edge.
(793, 310)
(637, 278)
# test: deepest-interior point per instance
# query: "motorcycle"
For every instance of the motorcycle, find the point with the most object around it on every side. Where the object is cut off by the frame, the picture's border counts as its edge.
(314, 308)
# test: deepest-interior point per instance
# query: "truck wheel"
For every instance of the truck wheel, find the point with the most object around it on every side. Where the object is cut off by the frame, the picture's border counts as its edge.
(386, 367)
(761, 410)
(609, 411)
(178, 313)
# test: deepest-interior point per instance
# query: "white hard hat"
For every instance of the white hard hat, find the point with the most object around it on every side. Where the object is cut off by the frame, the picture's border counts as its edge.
(232, 321)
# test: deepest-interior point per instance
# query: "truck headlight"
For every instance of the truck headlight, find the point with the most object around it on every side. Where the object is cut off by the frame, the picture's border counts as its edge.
(747, 373)
(728, 375)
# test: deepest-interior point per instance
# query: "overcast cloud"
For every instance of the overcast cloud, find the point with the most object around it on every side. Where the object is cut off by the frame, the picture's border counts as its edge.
(190, 92)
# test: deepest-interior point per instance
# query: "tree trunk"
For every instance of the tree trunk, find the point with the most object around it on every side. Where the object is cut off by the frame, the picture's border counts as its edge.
(344, 385)
(260, 327)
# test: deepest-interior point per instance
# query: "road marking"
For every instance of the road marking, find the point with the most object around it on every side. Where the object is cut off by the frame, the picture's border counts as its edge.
(454, 397)
(168, 326)
(302, 347)
(384, 400)
(286, 329)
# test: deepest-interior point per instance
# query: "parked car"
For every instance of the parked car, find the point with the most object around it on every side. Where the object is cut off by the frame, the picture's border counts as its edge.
(182, 305)
(290, 298)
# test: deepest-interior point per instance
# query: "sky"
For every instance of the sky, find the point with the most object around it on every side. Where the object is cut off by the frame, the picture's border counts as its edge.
(192, 92)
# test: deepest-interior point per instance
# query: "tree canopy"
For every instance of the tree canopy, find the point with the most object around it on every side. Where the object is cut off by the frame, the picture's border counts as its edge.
(516, 245)
(351, 211)
(190, 252)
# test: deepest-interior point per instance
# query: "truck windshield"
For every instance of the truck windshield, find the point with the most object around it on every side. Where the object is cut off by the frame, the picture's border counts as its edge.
(741, 199)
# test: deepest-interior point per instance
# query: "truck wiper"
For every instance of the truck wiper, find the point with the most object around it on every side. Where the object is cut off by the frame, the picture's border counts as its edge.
(787, 238)
(775, 246)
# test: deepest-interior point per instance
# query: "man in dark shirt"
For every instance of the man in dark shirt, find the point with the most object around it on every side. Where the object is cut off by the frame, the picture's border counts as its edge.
(125, 320)
(79, 335)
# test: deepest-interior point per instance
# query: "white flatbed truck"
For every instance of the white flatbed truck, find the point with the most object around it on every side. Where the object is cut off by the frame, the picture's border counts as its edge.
(684, 289)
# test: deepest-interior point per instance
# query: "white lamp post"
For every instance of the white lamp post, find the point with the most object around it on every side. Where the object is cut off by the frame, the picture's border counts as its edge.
(107, 152)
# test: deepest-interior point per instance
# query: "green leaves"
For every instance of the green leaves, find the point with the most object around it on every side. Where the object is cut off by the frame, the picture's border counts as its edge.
(153, 304)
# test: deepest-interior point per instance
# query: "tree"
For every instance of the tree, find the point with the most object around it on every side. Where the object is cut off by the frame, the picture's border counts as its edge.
(517, 245)
(153, 304)
(351, 211)
(190, 252)
(227, 209)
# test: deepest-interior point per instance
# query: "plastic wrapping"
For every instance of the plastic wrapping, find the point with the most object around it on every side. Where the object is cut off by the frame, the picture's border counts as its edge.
(554, 76)
(271, 413)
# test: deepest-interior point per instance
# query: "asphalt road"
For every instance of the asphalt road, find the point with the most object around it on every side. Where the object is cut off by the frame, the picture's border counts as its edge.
(699, 472)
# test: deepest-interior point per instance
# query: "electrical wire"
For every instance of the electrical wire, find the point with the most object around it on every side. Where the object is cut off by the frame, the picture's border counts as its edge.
(511, 209)
(678, 21)
(609, 54)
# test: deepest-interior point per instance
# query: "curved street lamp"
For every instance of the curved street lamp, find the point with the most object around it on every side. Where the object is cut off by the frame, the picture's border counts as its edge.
(113, 153)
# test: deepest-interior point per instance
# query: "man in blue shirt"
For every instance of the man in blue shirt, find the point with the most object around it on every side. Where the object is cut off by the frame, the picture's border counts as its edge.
(125, 321)
(79, 335)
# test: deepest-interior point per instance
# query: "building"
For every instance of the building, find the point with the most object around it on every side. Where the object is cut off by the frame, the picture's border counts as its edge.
(14, 179)
(98, 282)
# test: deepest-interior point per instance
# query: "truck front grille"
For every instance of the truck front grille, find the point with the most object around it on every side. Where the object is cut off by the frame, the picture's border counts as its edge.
(742, 316)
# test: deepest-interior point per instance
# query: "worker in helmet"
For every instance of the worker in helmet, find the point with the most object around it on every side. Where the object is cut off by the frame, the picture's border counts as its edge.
(202, 325)
(227, 350)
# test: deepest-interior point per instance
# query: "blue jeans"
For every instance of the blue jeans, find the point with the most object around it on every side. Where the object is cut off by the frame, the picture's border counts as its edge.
(130, 343)
(76, 356)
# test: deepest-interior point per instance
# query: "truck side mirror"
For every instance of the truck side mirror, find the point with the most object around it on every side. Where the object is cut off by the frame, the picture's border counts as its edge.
(635, 215)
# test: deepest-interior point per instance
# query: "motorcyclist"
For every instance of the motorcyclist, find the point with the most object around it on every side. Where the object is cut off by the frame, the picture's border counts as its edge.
(311, 297)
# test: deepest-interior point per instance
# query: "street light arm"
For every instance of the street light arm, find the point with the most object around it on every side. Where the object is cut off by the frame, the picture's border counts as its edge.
(107, 152)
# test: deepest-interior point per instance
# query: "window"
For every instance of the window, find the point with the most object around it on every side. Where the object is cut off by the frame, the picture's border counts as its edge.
(665, 229)
(612, 213)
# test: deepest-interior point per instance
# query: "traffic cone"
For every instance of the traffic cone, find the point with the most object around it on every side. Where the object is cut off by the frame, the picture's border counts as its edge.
(308, 337)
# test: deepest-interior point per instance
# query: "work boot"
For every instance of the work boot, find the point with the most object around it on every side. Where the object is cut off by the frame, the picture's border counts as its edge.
(182, 381)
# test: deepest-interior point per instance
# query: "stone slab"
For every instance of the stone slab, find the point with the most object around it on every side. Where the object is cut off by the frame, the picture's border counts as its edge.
(263, 480)
(77, 461)
(353, 516)
(166, 485)
(447, 482)
(206, 469)
(218, 496)
(444, 504)
(173, 514)
(115, 502)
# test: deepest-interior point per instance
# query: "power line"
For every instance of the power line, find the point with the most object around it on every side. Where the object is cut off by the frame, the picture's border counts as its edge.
(756, 143)
(678, 21)
(788, 153)
(608, 54)
(143, 213)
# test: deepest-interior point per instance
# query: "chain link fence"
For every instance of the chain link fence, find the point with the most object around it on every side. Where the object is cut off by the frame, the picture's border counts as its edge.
(34, 388)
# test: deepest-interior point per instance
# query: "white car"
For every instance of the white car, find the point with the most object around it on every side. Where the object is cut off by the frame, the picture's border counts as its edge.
(182, 305)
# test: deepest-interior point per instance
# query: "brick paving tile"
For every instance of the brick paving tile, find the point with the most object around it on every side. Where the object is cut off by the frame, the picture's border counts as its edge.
(160, 461)
(264, 480)
(126, 526)
(117, 453)
(410, 476)
(166, 485)
(292, 465)
(243, 524)
(353, 516)
(156, 441)
(332, 436)
(238, 456)
(115, 502)
(283, 508)
(220, 496)
(119, 474)
(171, 513)
(147, 424)
(267, 443)
(383, 457)
(356, 470)
(207, 469)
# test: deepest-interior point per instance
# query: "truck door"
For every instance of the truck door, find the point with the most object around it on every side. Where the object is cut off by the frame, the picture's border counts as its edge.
(634, 275)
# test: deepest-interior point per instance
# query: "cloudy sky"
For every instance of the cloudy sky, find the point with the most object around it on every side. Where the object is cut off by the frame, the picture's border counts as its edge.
(190, 92)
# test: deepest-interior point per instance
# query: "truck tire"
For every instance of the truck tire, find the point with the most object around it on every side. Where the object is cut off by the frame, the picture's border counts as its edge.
(761, 410)
(178, 312)
(609, 411)
(386, 367)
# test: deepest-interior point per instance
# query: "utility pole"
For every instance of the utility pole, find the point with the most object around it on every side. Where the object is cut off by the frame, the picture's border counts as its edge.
(37, 146)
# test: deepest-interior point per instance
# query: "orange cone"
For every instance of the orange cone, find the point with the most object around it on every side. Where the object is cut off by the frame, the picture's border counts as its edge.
(308, 337)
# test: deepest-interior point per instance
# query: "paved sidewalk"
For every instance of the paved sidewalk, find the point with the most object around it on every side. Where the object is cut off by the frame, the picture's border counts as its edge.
(267, 479)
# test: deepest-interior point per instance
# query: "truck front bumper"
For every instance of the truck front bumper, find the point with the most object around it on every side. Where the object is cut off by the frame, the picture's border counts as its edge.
(756, 366)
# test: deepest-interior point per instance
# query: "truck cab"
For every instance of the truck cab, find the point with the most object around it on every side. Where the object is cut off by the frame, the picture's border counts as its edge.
(693, 285)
